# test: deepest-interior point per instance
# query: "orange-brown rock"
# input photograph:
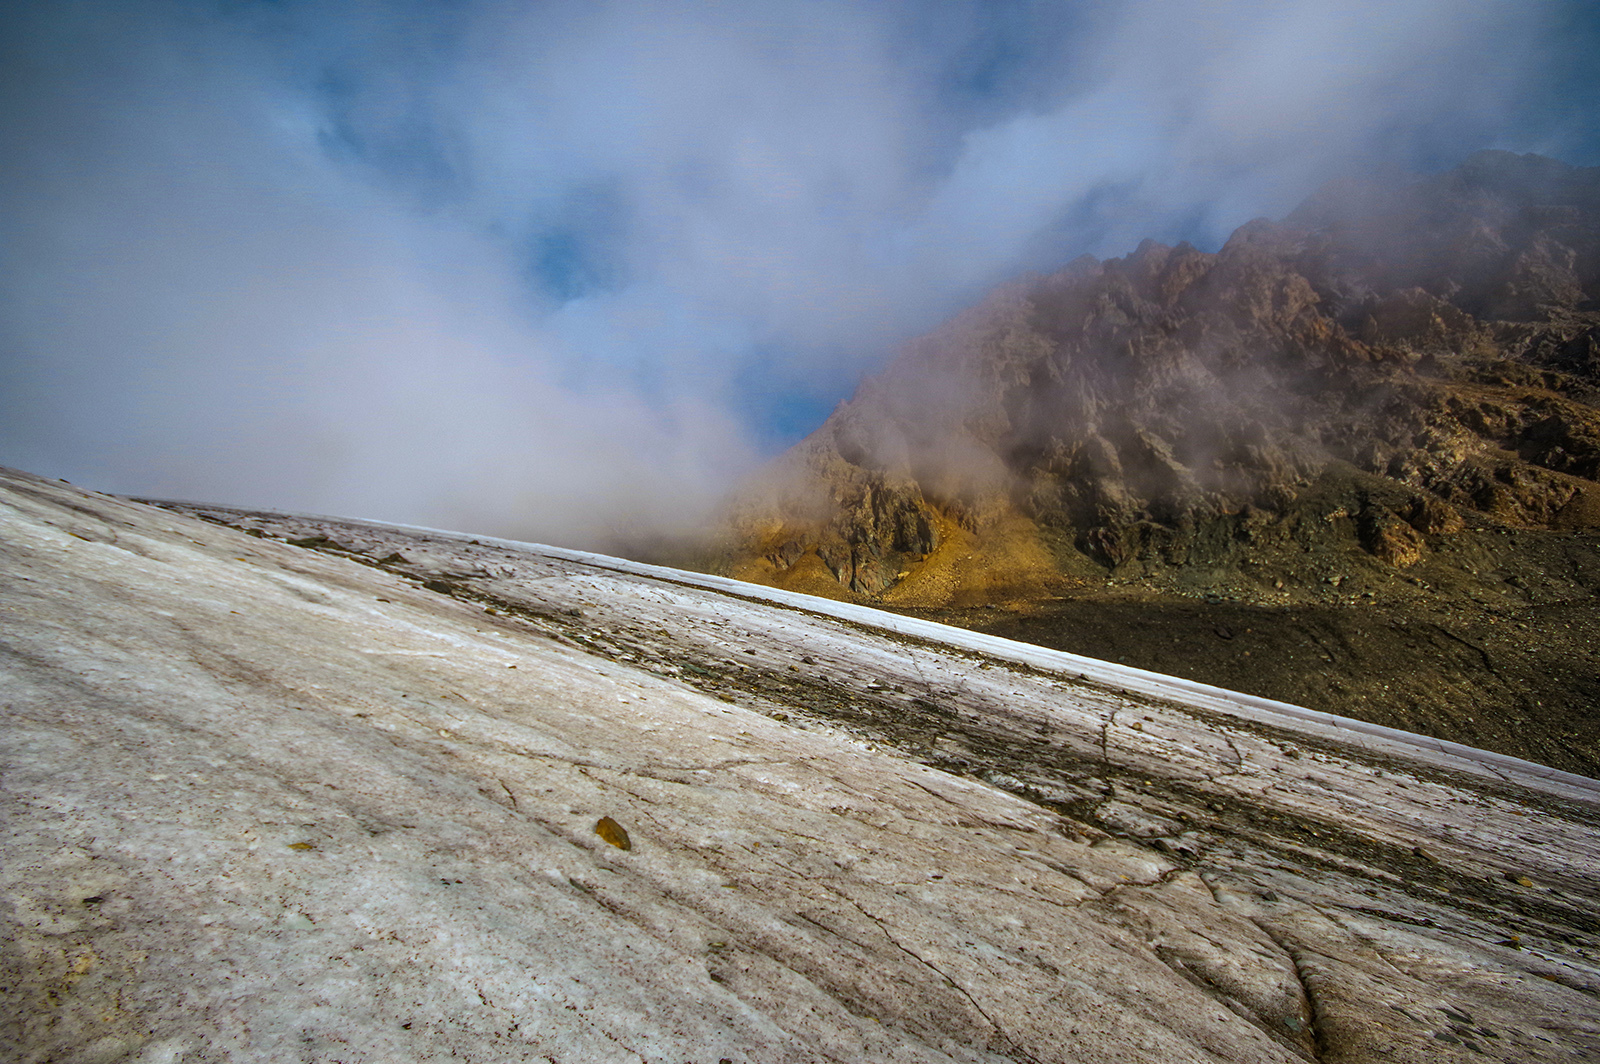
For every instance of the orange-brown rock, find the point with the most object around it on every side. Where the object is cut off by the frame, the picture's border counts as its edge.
(1433, 349)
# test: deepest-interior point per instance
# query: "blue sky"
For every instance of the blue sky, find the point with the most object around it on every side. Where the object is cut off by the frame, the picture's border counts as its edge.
(556, 269)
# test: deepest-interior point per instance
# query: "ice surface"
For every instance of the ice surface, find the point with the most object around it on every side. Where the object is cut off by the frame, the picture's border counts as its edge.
(264, 802)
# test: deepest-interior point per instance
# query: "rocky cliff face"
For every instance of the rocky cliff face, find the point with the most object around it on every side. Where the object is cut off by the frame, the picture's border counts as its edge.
(1349, 461)
(1355, 382)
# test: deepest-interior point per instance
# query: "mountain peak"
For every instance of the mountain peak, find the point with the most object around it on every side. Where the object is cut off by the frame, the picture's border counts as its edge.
(1317, 412)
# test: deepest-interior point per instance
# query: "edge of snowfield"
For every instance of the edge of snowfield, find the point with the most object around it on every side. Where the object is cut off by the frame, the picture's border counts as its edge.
(1440, 752)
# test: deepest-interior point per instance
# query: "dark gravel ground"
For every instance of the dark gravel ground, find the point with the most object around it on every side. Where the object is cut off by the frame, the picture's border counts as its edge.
(1521, 679)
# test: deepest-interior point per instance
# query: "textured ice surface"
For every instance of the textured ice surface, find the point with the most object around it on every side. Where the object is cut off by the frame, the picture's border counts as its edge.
(265, 802)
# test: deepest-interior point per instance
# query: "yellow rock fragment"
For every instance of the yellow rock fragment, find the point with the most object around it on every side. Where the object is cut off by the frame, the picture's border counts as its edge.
(613, 833)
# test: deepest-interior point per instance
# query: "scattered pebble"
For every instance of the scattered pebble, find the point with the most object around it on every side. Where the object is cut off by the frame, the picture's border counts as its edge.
(613, 833)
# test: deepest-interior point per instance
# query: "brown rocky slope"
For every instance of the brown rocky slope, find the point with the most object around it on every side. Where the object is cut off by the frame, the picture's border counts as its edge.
(1351, 460)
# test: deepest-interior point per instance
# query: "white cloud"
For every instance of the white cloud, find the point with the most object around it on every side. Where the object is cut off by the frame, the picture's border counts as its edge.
(505, 265)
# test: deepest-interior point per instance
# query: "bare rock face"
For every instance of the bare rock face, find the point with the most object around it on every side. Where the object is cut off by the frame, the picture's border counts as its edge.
(1440, 338)
(1391, 399)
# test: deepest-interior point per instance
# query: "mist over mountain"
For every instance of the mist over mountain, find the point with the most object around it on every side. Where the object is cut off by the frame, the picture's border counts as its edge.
(1388, 398)
(1441, 336)
(561, 270)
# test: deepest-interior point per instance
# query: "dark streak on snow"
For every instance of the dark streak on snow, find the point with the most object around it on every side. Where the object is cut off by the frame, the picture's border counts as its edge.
(921, 721)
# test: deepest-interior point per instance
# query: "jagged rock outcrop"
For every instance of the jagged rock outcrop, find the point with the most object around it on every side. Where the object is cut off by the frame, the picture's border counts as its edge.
(1419, 351)
(1348, 461)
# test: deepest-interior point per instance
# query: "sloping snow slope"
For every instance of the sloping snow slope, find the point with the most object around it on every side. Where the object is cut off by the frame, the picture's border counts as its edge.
(337, 802)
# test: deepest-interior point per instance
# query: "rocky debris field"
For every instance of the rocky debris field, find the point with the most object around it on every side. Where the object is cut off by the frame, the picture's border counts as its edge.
(289, 788)
(1493, 640)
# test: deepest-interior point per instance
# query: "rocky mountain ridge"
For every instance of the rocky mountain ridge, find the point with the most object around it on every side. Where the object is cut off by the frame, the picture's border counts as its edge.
(1391, 398)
